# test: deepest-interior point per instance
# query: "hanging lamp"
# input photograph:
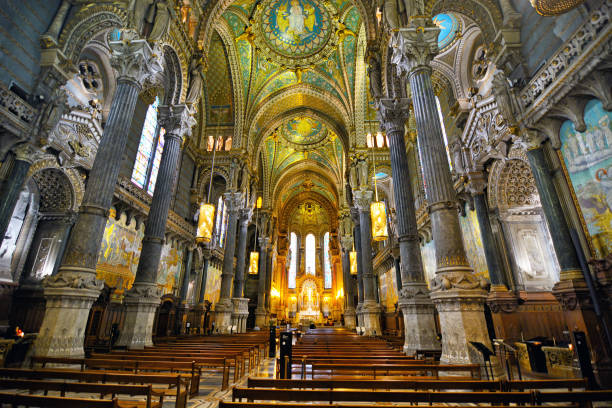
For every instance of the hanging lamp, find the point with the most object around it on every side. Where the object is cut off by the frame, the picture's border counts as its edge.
(207, 210)
(554, 7)
(378, 213)
(353, 261)
(254, 255)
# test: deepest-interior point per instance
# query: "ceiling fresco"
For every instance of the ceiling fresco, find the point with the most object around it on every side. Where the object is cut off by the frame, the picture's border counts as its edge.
(308, 214)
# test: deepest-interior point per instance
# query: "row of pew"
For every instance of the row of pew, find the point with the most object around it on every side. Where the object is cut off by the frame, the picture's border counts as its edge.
(335, 367)
(170, 371)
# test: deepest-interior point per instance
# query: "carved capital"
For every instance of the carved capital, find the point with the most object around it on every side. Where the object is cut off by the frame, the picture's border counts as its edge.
(233, 201)
(458, 280)
(134, 60)
(73, 280)
(176, 119)
(393, 114)
(532, 139)
(415, 47)
(363, 199)
(264, 243)
(476, 182)
(246, 214)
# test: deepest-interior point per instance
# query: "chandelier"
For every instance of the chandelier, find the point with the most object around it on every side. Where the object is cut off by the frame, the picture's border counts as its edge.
(554, 7)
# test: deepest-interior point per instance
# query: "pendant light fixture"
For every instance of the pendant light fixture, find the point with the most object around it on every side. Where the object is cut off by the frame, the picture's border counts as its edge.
(207, 210)
(378, 213)
(353, 261)
(254, 255)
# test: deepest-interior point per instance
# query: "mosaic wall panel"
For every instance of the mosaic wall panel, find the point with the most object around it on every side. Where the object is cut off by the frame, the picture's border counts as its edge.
(588, 162)
(388, 290)
(213, 284)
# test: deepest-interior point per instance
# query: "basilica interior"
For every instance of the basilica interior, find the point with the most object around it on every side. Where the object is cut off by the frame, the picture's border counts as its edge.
(187, 181)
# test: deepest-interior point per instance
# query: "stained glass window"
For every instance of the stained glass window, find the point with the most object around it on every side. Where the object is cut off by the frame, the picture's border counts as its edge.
(310, 254)
(328, 274)
(150, 150)
(220, 222)
(293, 260)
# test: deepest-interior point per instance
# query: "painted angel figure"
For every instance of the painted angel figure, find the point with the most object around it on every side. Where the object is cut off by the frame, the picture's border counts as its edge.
(296, 20)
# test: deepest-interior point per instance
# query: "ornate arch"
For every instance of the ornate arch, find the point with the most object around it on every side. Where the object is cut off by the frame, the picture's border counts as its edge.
(302, 173)
(173, 76)
(88, 22)
(73, 179)
(512, 186)
(331, 209)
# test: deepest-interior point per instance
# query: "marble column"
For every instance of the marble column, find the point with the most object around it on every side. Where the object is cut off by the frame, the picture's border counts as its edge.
(571, 291)
(49, 38)
(143, 298)
(458, 294)
(240, 303)
(370, 309)
(224, 307)
(183, 307)
(12, 186)
(261, 316)
(201, 307)
(349, 309)
(71, 292)
(357, 246)
(414, 301)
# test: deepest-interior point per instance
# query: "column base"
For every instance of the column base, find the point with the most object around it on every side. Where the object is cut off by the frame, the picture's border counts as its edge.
(240, 313)
(419, 322)
(141, 302)
(504, 305)
(371, 318)
(461, 313)
(575, 299)
(223, 315)
(349, 319)
(69, 296)
(261, 318)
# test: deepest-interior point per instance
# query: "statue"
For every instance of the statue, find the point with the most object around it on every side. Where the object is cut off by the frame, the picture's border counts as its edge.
(353, 177)
(505, 98)
(375, 77)
(150, 18)
(363, 173)
(195, 79)
(397, 13)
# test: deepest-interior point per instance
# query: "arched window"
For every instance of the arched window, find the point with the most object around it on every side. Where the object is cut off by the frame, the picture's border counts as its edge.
(310, 254)
(220, 223)
(293, 260)
(327, 265)
(150, 150)
(450, 163)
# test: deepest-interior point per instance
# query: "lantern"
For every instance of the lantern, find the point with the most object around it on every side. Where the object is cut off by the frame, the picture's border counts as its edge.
(379, 221)
(253, 263)
(259, 202)
(205, 223)
(353, 262)
(554, 7)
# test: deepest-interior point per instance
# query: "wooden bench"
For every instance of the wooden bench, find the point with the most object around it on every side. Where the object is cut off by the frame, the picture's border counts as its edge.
(479, 385)
(225, 404)
(583, 398)
(191, 369)
(58, 402)
(386, 369)
(178, 385)
(89, 388)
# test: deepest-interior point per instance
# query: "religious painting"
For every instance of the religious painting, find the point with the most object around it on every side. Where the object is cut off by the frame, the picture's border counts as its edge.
(119, 252)
(213, 284)
(428, 254)
(472, 241)
(295, 28)
(388, 290)
(168, 273)
(588, 160)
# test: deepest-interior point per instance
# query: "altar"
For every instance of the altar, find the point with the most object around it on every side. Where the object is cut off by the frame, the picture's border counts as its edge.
(309, 301)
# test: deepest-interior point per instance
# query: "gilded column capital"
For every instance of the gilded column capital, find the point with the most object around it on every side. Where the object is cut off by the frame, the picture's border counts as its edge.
(133, 59)
(476, 182)
(233, 201)
(363, 199)
(176, 119)
(414, 47)
(532, 138)
(246, 214)
(393, 114)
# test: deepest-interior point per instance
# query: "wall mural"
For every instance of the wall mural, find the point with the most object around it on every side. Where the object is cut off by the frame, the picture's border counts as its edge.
(428, 254)
(473, 244)
(588, 159)
(213, 284)
(388, 290)
(120, 252)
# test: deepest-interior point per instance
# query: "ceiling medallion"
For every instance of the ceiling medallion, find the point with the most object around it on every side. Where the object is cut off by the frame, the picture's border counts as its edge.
(554, 7)
(295, 33)
(449, 28)
(303, 133)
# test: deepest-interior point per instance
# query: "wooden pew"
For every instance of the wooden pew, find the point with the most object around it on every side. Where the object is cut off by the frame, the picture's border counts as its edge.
(191, 369)
(471, 385)
(385, 369)
(58, 402)
(89, 388)
(226, 404)
(177, 384)
(583, 398)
